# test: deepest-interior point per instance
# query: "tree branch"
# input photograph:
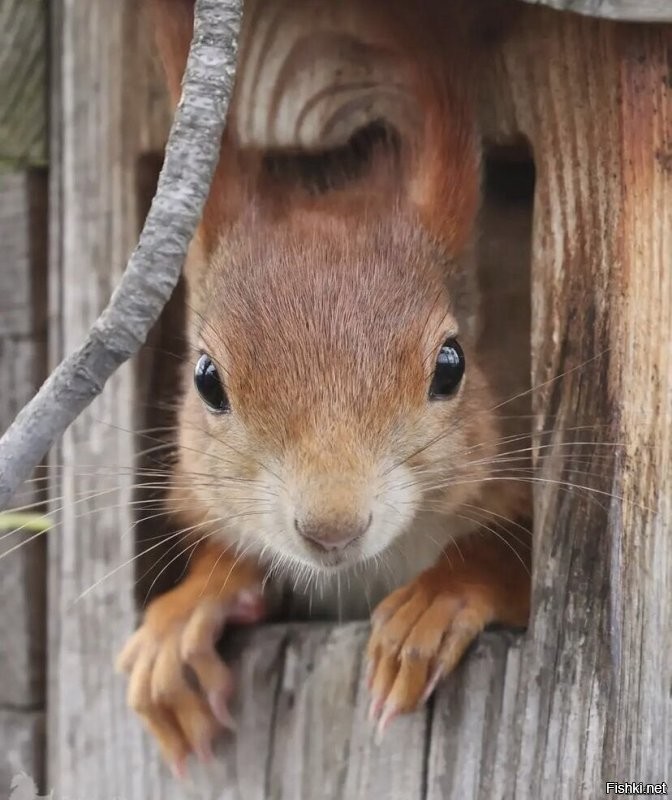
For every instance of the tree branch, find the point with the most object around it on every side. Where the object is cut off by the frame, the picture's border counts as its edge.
(154, 268)
(632, 10)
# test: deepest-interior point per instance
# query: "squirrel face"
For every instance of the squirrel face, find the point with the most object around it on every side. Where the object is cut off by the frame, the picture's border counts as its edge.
(321, 308)
(337, 390)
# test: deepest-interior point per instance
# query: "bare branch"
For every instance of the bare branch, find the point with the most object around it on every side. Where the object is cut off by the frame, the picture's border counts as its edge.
(633, 10)
(154, 268)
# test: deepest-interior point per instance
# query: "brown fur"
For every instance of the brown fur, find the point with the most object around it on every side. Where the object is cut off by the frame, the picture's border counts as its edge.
(324, 316)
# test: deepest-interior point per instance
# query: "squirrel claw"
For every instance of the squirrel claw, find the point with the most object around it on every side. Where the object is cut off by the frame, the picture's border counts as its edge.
(389, 712)
(179, 769)
(204, 751)
(374, 709)
(178, 683)
(219, 704)
(420, 633)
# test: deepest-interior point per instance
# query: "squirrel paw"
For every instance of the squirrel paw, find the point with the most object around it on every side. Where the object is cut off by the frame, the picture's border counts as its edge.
(419, 634)
(178, 683)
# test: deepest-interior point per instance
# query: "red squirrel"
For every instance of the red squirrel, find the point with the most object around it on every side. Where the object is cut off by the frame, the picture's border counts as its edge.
(337, 416)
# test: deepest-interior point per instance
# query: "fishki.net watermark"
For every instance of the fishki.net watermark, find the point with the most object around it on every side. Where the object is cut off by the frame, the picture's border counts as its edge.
(636, 788)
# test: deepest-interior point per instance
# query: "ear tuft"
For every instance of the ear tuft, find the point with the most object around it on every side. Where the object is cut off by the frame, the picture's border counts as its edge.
(173, 24)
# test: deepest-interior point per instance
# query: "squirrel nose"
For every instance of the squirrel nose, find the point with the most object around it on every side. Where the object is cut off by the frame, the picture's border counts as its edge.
(332, 535)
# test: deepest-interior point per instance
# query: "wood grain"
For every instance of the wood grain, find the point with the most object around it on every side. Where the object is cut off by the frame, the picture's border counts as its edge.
(474, 716)
(302, 730)
(319, 682)
(96, 750)
(22, 735)
(23, 213)
(22, 553)
(395, 766)
(23, 83)
(22, 572)
(596, 107)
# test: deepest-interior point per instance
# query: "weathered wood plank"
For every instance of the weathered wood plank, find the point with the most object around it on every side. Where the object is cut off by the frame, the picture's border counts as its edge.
(641, 379)
(22, 752)
(595, 703)
(23, 84)
(633, 10)
(319, 683)
(393, 766)
(323, 744)
(259, 671)
(95, 746)
(22, 572)
(108, 108)
(23, 214)
(474, 715)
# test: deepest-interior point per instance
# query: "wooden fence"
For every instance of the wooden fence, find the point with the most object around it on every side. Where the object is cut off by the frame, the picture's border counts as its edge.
(586, 695)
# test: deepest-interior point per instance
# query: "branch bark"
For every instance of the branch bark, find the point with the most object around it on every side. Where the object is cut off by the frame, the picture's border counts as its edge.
(154, 267)
(631, 10)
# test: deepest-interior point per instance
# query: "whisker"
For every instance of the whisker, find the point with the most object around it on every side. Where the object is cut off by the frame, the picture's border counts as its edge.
(499, 536)
(443, 434)
(190, 548)
(527, 542)
(552, 380)
(567, 484)
(127, 563)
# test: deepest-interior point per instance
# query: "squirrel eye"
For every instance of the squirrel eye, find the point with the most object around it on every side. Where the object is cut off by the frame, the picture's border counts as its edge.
(209, 385)
(448, 371)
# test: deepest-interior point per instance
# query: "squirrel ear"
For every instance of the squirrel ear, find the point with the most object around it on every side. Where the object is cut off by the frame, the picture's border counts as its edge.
(172, 23)
(441, 45)
(444, 170)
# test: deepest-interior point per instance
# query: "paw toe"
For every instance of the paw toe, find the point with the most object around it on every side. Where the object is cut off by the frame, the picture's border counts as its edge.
(416, 643)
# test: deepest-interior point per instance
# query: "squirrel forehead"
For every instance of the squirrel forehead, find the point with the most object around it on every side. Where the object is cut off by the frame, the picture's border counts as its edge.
(339, 321)
(318, 276)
